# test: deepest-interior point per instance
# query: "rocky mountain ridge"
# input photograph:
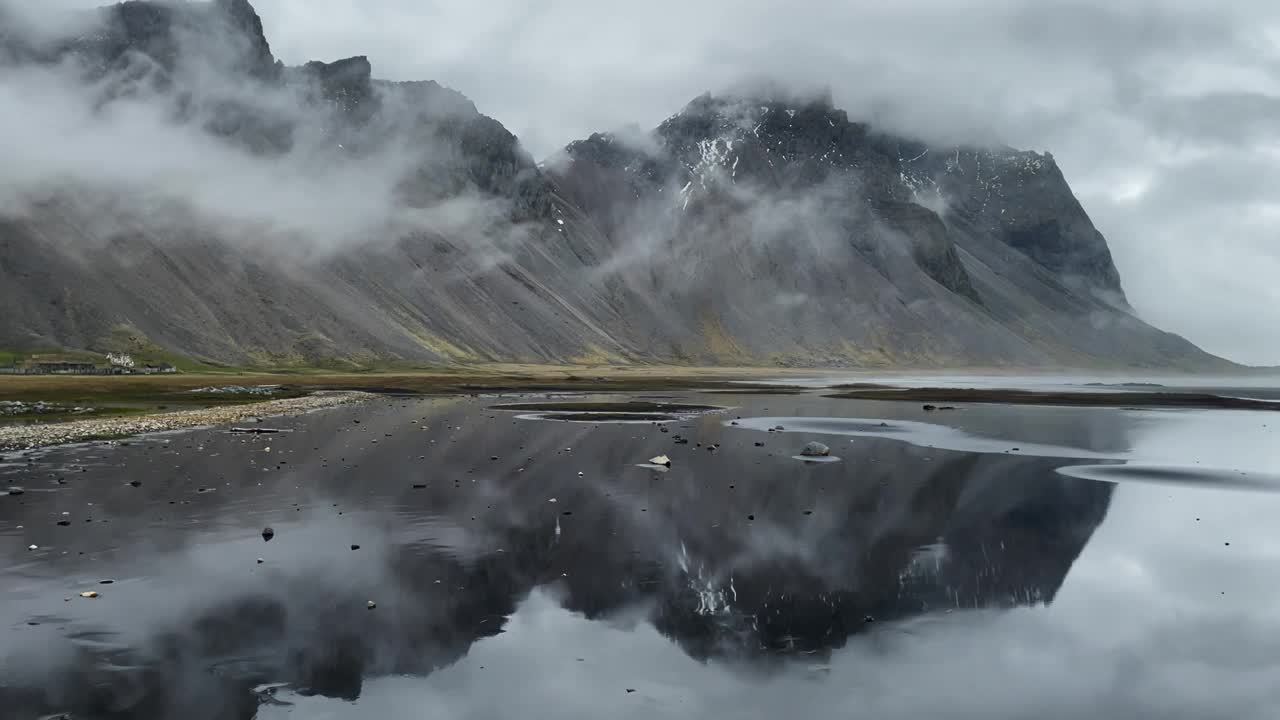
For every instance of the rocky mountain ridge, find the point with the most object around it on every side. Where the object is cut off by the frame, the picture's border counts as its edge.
(750, 229)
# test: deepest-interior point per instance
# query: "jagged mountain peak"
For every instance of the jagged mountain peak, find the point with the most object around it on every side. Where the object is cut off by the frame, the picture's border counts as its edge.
(809, 123)
(746, 173)
(243, 16)
(729, 110)
(779, 139)
(228, 33)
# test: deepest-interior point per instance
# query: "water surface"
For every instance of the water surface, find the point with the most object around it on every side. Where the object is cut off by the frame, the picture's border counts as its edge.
(989, 562)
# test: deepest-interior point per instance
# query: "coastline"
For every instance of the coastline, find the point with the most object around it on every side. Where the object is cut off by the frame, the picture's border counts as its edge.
(139, 404)
(16, 438)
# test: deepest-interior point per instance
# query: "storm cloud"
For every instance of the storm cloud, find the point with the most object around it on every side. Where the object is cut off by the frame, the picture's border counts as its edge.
(1160, 113)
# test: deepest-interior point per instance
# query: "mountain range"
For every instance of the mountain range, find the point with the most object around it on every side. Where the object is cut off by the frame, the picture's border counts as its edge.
(219, 206)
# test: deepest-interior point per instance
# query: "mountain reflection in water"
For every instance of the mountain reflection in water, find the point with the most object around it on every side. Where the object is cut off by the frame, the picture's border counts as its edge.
(740, 555)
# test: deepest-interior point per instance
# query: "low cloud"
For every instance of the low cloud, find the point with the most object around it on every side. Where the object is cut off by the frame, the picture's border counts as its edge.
(1131, 99)
(1118, 92)
(135, 148)
(267, 165)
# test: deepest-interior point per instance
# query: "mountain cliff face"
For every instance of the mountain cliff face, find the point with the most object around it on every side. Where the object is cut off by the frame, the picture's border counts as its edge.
(743, 230)
(800, 229)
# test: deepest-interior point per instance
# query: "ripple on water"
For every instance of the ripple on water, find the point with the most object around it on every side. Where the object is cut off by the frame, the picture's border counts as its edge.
(600, 417)
(630, 406)
(816, 459)
(608, 412)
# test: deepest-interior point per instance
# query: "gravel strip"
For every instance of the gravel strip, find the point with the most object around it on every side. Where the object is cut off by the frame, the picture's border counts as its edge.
(26, 437)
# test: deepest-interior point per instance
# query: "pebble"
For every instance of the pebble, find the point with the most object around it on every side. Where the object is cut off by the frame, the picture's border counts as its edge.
(27, 437)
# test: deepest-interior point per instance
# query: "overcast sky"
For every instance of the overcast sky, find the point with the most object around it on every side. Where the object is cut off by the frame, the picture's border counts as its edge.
(1163, 115)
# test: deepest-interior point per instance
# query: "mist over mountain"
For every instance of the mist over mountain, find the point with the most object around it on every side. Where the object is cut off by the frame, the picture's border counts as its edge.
(172, 187)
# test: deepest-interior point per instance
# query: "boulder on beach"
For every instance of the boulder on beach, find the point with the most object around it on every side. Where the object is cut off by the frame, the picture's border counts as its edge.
(815, 449)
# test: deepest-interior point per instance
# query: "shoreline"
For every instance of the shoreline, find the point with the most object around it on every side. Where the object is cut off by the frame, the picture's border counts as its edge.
(144, 400)
(999, 396)
(445, 380)
(149, 396)
(18, 438)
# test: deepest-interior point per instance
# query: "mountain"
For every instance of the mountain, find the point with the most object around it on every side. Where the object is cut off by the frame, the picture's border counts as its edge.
(316, 215)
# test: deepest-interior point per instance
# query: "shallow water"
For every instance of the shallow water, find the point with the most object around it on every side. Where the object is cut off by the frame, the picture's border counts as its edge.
(1116, 564)
(1258, 387)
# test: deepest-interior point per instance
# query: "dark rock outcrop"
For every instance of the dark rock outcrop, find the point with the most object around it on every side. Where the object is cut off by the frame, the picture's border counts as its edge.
(1023, 199)
(348, 83)
(258, 59)
(227, 34)
(931, 246)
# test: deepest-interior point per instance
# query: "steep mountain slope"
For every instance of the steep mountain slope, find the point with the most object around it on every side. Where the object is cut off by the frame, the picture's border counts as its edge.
(315, 215)
(471, 275)
(799, 232)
